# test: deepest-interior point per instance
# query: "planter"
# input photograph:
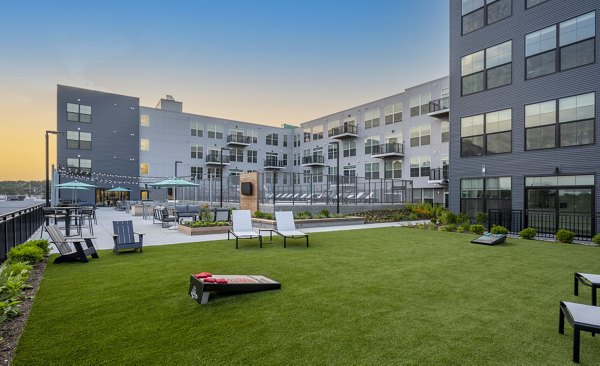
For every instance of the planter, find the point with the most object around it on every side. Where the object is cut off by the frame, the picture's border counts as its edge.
(203, 230)
(307, 223)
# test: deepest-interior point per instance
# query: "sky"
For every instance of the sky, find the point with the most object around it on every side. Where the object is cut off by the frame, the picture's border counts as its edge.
(263, 61)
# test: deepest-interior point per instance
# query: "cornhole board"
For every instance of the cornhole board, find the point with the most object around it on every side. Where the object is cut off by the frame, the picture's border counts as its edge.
(200, 291)
(490, 239)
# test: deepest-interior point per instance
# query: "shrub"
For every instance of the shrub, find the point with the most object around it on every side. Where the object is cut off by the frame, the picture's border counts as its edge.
(421, 225)
(596, 239)
(303, 215)
(450, 227)
(25, 253)
(528, 233)
(497, 229)
(565, 236)
(481, 218)
(412, 217)
(324, 213)
(442, 228)
(398, 217)
(448, 218)
(463, 218)
(460, 229)
(42, 244)
(431, 226)
(477, 229)
(18, 267)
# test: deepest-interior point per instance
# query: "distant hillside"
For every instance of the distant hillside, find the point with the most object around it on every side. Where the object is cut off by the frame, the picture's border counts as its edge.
(28, 188)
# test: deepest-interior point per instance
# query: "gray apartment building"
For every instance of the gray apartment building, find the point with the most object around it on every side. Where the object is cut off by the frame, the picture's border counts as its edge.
(524, 80)
(113, 141)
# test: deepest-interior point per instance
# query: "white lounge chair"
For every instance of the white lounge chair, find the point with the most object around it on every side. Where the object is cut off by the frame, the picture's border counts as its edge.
(242, 227)
(286, 227)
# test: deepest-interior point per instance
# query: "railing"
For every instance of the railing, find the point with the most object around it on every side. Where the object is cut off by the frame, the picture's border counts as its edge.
(352, 129)
(439, 104)
(216, 158)
(547, 223)
(18, 226)
(241, 139)
(388, 148)
(314, 159)
(273, 162)
(438, 174)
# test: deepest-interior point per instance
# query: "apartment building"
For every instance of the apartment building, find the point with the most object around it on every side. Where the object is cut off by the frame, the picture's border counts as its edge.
(524, 85)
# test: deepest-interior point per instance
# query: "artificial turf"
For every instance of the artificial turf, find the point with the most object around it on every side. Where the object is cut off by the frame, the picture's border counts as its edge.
(378, 296)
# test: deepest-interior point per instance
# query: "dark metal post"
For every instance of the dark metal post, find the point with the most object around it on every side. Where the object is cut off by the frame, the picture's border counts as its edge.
(337, 176)
(48, 163)
(175, 188)
(221, 175)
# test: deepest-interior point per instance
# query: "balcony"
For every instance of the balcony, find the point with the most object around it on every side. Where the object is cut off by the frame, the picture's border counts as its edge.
(343, 132)
(215, 159)
(238, 140)
(315, 160)
(439, 176)
(439, 108)
(388, 150)
(273, 163)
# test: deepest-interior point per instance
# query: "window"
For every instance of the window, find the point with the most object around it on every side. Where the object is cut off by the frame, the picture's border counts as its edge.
(79, 166)
(420, 135)
(483, 194)
(144, 120)
(253, 136)
(349, 174)
(252, 156)
(414, 166)
(445, 127)
(531, 3)
(215, 131)
(214, 172)
(332, 152)
(425, 99)
(272, 139)
(393, 113)
(419, 104)
(393, 169)
(296, 140)
(296, 159)
(371, 144)
(307, 135)
(414, 106)
(318, 132)
(284, 160)
(236, 154)
(196, 128)
(196, 152)
(144, 168)
(371, 118)
(79, 140)
(332, 170)
(372, 171)
(575, 122)
(487, 69)
(577, 46)
(489, 133)
(196, 172)
(349, 148)
(477, 13)
(285, 140)
(318, 152)
(145, 144)
(79, 112)
(425, 165)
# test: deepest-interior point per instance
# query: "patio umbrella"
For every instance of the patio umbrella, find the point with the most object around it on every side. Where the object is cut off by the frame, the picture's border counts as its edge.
(174, 183)
(74, 185)
(120, 190)
(75, 189)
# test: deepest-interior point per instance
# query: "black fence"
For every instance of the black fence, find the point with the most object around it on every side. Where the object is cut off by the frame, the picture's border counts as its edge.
(546, 223)
(18, 226)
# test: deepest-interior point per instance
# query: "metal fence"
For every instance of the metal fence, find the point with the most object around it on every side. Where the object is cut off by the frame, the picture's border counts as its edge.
(17, 226)
(547, 223)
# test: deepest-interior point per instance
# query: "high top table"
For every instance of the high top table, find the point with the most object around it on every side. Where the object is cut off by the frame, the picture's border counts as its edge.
(68, 213)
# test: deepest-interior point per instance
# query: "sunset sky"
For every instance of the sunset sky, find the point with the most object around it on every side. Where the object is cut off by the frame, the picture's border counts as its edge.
(262, 61)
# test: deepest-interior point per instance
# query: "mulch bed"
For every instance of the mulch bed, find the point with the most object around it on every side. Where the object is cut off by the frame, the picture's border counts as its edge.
(12, 329)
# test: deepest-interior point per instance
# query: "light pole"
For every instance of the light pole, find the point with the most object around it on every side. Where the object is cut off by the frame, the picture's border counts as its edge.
(221, 175)
(337, 175)
(48, 163)
(175, 188)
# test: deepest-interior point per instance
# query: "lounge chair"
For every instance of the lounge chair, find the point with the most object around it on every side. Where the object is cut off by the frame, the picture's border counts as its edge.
(242, 227)
(70, 248)
(124, 236)
(286, 227)
(161, 214)
(582, 318)
(589, 280)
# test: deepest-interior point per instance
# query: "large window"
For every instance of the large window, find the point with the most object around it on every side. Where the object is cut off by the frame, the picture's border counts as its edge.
(419, 104)
(576, 40)
(393, 113)
(332, 151)
(215, 131)
(487, 69)
(196, 128)
(317, 132)
(478, 13)
(145, 144)
(372, 171)
(371, 118)
(252, 156)
(253, 135)
(79, 112)
(196, 172)
(307, 134)
(272, 139)
(483, 194)
(349, 148)
(445, 127)
(420, 135)
(79, 140)
(79, 166)
(420, 166)
(393, 169)
(489, 133)
(575, 122)
(196, 152)
(236, 154)
(144, 168)
(144, 120)
(371, 144)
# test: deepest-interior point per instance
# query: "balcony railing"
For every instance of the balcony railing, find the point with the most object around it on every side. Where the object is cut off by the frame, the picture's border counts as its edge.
(313, 160)
(388, 149)
(439, 174)
(216, 159)
(238, 139)
(273, 163)
(348, 130)
(439, 106)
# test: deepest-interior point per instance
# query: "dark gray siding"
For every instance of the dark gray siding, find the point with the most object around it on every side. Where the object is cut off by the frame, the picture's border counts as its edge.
(115, 138)
(519, 163)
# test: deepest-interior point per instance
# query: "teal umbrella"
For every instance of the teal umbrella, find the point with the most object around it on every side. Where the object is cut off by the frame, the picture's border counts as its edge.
(74, 185)
(174, 183)
(120, 190)
(74, 189)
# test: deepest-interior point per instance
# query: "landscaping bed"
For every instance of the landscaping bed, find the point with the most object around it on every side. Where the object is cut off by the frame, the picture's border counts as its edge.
(203, 230)
(307, 223)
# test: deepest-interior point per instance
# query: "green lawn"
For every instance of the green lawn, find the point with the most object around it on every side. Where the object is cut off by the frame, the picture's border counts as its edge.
(379, 296)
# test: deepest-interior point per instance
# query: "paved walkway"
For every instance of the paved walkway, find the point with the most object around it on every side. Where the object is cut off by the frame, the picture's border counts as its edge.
(156, 235)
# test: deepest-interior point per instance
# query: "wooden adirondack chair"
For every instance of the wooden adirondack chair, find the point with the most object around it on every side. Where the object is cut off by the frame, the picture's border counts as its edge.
(124, 237)
(70, 248)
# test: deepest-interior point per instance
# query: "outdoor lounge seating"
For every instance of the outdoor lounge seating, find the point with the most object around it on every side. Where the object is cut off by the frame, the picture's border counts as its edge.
(589, 280)
(582, 318)
(161, 214)
(242, 227)
(286, 227)
(124, 237)
(221, 214)
(70, 248)
(183, 211)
